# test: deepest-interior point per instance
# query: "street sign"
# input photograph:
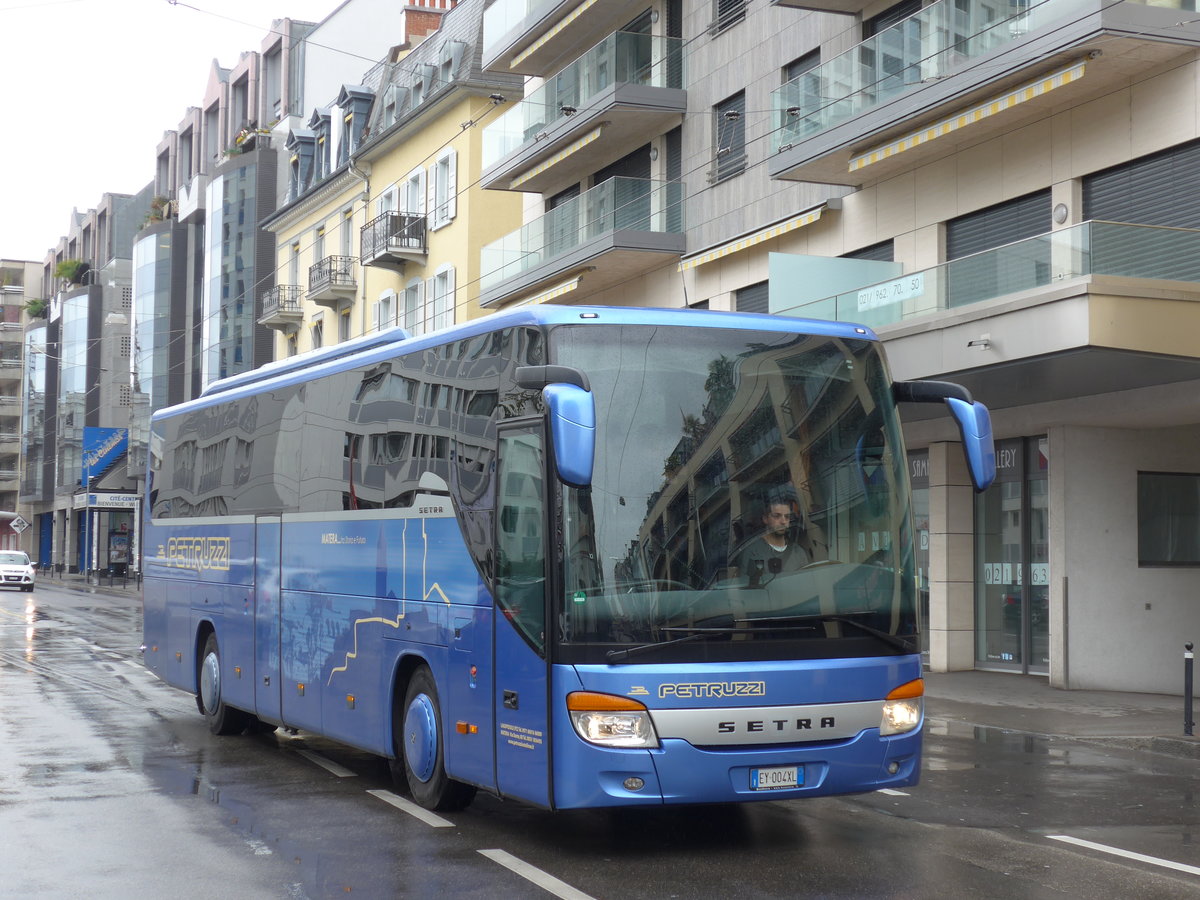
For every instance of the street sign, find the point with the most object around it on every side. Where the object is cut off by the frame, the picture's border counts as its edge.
(18, 524)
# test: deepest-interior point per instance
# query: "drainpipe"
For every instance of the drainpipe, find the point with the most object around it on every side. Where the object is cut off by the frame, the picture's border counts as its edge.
(366, 198)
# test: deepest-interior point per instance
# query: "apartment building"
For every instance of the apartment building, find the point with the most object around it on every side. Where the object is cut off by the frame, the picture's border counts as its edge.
(14, 302)
(79, 493)
(385, 218)
(1005, 192)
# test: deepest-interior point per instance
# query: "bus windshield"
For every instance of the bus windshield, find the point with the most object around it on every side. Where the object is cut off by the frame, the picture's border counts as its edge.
(748, 500)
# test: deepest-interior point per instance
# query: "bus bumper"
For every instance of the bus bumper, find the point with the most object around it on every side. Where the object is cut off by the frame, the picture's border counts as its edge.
(679, 773)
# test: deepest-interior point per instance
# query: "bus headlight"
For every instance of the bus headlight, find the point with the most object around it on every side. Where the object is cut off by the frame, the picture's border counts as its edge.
(611, 721)
(903, 708)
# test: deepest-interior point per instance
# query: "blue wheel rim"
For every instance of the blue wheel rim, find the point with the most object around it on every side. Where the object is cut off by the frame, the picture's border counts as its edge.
(420, 737)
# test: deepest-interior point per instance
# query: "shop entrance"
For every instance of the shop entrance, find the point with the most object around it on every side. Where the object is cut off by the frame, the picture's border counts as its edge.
(1012, 561)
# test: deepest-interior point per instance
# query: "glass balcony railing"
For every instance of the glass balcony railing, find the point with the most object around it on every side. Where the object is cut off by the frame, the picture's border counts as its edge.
(504, 15)
(625, 204)
(1090, 248)
(925, 47)
(621, 58)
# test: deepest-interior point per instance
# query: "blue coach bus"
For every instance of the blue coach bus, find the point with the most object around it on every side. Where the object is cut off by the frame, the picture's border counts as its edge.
(529, 555)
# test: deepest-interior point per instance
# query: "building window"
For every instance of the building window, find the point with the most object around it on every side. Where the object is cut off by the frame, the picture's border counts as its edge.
(385, 310)
(439, 298)
(414, 307)
(319, 244)
(889, 17)
(1168, 514)
(798, 67)
(318, 334)
(729, 138)
(727, 13)
(348, 233)
(752, 299)
(293, 345)
(443, 184)
(344, 326)
(412, 193)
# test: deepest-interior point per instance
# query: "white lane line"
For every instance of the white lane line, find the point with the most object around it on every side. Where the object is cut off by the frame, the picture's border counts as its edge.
(412, 809)
(544, 880)
(892, 792)
(1127, 854)
(327, 764)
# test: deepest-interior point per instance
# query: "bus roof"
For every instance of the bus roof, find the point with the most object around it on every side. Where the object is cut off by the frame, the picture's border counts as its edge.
(383, 345)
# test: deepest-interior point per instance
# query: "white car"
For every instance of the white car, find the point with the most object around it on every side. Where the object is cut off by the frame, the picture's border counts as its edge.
(16, 570)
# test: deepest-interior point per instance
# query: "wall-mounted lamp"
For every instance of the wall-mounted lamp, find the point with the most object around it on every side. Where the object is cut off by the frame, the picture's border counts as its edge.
(1061, 212)
(980, 343)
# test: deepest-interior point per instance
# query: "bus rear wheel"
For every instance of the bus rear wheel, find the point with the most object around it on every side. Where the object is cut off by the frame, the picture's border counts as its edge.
(222, 719)
(418, 740)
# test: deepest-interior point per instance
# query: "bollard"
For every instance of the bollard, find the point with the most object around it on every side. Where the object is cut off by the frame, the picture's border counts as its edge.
(1187, 689)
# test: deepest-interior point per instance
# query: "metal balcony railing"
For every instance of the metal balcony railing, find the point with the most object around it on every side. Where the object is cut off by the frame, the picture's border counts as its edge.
(283, 298)
(628, 204)
(332, 271)
(1090, 248)
(621, 58)
(389, 232)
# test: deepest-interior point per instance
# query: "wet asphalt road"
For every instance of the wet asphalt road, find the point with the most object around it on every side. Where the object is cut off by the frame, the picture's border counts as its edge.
(111, 786)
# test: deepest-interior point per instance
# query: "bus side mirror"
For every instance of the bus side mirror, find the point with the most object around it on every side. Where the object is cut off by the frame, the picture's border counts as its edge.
(975, 426)
(572, 432)
(973, 420)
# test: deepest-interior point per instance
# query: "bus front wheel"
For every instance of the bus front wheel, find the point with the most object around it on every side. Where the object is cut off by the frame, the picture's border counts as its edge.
(222, 719)
(419, 748)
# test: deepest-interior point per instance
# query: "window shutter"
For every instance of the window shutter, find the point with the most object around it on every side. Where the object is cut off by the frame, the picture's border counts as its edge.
(451, 186)
(447, 316)
(431, 202)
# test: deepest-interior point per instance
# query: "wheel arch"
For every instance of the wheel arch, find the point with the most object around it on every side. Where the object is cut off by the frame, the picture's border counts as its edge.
(204, 628)
(406, 665)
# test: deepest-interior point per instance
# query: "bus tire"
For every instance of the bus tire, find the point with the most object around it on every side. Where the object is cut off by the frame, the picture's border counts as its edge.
(221, 719)
(419, 748)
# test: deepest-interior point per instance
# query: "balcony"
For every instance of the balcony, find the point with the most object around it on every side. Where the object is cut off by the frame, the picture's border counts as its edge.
(393, 239)
(281, 307)
(955, 72)
(10, 369)
(11, 333)
(625, 90)
(333, 281)
(618, 230)
(849, 7)
(534, 37)
(1097, 307)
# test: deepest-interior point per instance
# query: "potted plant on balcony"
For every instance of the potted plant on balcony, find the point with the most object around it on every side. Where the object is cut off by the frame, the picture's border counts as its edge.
(72, 270)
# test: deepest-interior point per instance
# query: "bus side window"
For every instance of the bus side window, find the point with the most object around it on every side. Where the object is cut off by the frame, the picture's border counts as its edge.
(520, 531)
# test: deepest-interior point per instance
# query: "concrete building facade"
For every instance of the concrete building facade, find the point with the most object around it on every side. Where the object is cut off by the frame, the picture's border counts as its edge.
(1005, 193)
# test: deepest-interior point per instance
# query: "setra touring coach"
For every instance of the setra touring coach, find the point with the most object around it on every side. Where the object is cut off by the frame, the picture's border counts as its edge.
(574, 556)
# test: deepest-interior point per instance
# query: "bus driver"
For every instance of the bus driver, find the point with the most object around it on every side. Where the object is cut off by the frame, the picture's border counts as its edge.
(775, 550)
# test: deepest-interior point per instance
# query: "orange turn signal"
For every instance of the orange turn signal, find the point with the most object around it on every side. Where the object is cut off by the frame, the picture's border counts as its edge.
(586, 701)
(914, 688)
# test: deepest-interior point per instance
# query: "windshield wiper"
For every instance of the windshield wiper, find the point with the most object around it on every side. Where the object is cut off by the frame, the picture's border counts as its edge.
(625, 653)
(890, 639)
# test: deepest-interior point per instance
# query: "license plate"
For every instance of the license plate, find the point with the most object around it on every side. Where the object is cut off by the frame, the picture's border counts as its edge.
(776, 778)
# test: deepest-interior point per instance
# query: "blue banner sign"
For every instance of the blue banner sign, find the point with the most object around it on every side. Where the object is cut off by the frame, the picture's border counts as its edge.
(100, 447)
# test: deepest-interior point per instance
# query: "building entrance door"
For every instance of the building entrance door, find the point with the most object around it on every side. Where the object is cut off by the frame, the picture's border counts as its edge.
(1012, 561)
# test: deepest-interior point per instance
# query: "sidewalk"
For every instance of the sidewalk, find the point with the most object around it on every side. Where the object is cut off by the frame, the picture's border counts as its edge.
(1020, 703)
(1027, 703)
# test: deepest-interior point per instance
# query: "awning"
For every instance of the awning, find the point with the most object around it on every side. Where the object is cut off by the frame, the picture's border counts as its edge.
(960, 120)
(557, 291)
(765, 234)
(559, 156)
(552, 33)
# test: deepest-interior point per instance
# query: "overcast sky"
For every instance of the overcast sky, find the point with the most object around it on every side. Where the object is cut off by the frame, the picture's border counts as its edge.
(87, 88)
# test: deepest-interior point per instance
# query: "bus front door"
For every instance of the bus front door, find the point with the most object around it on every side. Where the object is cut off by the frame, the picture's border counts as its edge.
(522, 689)
(268, 535)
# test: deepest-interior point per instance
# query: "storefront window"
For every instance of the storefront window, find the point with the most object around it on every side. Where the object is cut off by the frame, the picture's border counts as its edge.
(918, 476)
(1012, 559)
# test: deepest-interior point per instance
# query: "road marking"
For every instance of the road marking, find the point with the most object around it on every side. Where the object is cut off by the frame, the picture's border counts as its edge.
(412, 809)
(544, 880)
(327, 764)
(1128, 854)
(892, 792)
